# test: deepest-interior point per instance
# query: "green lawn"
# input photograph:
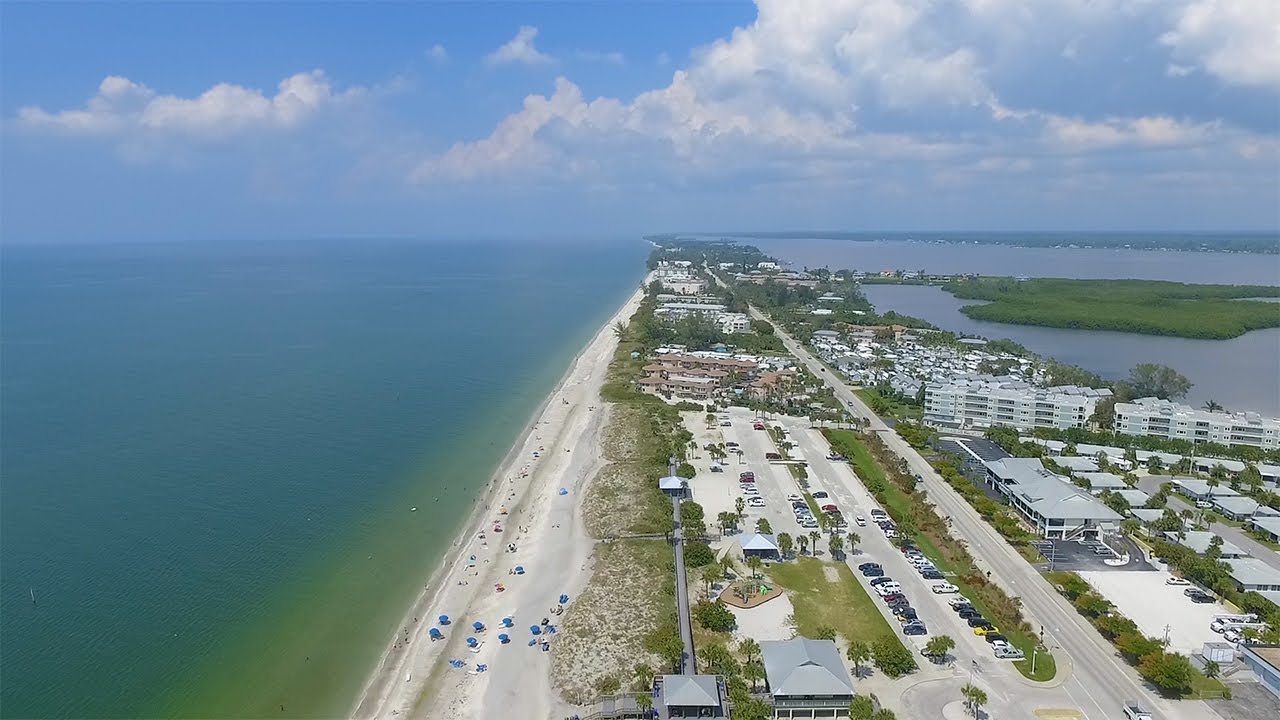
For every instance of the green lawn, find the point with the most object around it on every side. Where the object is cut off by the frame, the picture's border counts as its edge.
(844, 605)
(897, 408)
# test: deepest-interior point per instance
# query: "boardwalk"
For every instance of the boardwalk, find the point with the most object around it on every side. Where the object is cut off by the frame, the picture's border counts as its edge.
(687, 664)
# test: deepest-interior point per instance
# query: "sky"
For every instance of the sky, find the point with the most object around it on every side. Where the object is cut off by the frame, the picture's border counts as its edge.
(137, 121)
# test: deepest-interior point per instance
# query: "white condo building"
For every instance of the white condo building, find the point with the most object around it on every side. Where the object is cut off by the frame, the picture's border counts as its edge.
(985, 401)
(1168, 419)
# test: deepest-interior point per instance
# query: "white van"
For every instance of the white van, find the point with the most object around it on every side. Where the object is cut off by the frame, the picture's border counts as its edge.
(888, 588)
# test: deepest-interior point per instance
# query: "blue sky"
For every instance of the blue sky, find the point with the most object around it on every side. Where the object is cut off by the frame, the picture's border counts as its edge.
(169, 121)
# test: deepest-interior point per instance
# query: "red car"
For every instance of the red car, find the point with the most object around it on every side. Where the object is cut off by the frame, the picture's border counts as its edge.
(757, 426)
(748, 475)
(830, 508)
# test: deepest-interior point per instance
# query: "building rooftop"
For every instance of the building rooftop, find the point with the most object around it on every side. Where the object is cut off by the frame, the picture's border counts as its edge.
(1199, 488)
(1104, 481)
(1135, 498)
(1236, 504)
(1146, 515)
(759, 541)
(805, 667)
(1198, 541)
(691, 690)
(1252, 571)
(1077, 464)
(1269, 523)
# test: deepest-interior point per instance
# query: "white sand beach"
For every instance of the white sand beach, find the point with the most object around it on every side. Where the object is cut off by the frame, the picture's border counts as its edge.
(560, 449)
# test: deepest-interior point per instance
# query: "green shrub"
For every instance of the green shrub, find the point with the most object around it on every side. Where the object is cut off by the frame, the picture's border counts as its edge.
(714, 616)
(892, 658)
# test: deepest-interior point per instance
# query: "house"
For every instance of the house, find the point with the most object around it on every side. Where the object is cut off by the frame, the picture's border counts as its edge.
(806, 678)
(690, 696)
(1145, 515)
(1201, 489)
(674, 486)
(760, 545)
(1198, 541)
(1253, 574)
(1235, 507)
(1057, 509)
(1264, 661)
(1099, 481)
(1076, 464)
(1136, 498)
(1267, 525)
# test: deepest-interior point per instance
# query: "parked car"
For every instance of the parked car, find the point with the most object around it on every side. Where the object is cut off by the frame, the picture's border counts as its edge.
(881, 580)
(898, 605)
(932, 575)
(878, 514)
(795, 498)
(861, 521)
(977, 620)
(958, 601)
(1177, 581)
(945, 588)
(889, 588)
(1009, 653)
(755, 501)
(893, 597)
(821, 495)
(726, 423)
(717, 468)
(877, 572)
(907, 614)
(772, 456)
(757, 426)
(866, 565)
(996, 637)
(915, 628)
(985, 629)
(829, 508)
(731, 444)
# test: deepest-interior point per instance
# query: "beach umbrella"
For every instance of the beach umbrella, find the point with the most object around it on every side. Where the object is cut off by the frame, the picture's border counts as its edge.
(564, 599)
(472, 642)
(506, 622)
(444, 619)
(478, 626)
(535, 629)
(519, 569)
(436, 634)
(532, 643)
(563, 491)
(504, 638)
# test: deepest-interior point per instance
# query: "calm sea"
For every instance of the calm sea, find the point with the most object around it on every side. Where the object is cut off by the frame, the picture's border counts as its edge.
(1241, 373)
(210, 451)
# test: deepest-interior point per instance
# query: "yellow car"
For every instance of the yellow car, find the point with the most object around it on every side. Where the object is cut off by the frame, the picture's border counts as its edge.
(983, 630)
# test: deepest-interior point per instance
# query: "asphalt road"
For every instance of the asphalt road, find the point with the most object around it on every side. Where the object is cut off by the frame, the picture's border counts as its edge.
(1099, 680)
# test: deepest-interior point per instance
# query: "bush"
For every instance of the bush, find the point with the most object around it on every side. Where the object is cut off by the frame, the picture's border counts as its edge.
(697, 554)
(1170, 672)
(892, 658)
(714, 616)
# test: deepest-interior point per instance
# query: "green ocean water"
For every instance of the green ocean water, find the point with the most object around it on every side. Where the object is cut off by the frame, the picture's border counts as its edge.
(208, 454)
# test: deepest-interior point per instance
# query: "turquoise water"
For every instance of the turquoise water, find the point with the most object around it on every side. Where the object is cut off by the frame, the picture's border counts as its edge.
(209, 453)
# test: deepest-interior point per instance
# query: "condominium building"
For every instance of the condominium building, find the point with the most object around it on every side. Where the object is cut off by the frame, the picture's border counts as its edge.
(985, 401)
(1167, 419)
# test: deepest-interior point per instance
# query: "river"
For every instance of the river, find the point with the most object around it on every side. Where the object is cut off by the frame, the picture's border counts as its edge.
(1242, 373)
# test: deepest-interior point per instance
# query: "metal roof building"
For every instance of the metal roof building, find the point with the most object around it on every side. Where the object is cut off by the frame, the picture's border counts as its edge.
(806, 677)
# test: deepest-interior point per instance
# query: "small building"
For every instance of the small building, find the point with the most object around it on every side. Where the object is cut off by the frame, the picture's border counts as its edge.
(1135, 498)
(1077, 464)
(762, 546)
(1236, 507)
(1197, 489)
(806, 678)
(1099, 481)
(1199, 540)
(690, 696)
(1145, 515)
(674, 486)
(1268, 526)
(1253, 574)
(1058, 509)
(1264, 661)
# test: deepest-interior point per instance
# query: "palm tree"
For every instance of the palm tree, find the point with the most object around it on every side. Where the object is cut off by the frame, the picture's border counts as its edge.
(740, 505)
(620, 330)
(1211, 669)
(939, 645)
(861, 708)
(725, 519)
(854, 539)
(858, 653)
(749, 648)
(1213, 405)
(974, 698)
(804, 543)
(754, 563)
(710, 574)
(644, 678)
(836, 545)
(753, 670)
(814, 536)
(785, 543)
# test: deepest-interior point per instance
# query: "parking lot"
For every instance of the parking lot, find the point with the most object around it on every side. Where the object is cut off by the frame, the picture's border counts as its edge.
(1070, 555)
(1145, 598)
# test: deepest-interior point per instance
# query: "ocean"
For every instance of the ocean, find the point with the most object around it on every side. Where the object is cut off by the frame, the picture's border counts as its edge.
(210, 451)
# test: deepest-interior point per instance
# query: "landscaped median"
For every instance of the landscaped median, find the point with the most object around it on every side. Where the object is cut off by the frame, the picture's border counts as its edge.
(917, 520)
(1172, 673)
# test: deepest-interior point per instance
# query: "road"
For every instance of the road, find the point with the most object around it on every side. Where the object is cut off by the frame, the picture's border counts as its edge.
(1099, 681)
(688, 666)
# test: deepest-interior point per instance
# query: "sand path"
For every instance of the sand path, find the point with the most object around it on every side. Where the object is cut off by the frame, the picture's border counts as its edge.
(559, 449)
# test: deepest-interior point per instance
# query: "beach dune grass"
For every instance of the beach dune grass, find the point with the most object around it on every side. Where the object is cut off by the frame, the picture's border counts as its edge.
(820, 603)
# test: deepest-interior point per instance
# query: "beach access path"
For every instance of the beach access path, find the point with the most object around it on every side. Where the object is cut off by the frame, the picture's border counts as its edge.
(559, 450)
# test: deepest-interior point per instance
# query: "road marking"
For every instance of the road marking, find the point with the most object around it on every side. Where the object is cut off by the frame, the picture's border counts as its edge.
(1058, 713)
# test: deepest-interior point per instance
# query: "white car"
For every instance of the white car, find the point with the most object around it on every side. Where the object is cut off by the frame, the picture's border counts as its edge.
(958, 600)
(1177, 581)
(888, 588)
(809, 523)
(945, 588)
(750, 490)
(862, 522)
(756, 502)
(794, 498)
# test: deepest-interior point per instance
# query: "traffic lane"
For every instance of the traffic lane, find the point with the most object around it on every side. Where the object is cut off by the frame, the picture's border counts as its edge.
(1092, 664)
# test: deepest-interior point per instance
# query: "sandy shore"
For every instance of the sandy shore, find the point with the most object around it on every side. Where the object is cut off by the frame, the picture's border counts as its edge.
(560, 449)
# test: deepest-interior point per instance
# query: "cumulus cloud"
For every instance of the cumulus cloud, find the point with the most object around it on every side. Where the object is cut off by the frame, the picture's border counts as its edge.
(123, 106)
(1148, 131)
(1235, 40)
(519, 49)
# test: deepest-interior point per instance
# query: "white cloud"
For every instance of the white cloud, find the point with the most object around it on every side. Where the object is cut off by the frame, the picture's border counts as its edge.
(1074, 133)
(438, 54)
(611, 58)
(122, 106)
(1235, 40)
(520, 49)
(663, 59)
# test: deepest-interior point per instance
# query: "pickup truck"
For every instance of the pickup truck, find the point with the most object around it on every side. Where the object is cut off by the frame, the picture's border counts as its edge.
(1134, 711)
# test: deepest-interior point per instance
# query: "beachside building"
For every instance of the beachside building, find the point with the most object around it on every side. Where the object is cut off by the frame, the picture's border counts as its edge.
(680, 385)
(1076, 464)
(676, 310)
(1051, 503)
(760, 545)
(1198, 541)
(1198, 489)
(731, 323)
(985, 401)
(1100, 481)
(806, 678)
(1268, 525)
(1253, 574)
(1264, 661)
(1168, 419)
(674, 486)
(690, 696)
(1236, 507)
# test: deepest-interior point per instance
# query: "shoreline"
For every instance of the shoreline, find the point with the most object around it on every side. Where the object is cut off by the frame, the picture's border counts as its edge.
(449, 588)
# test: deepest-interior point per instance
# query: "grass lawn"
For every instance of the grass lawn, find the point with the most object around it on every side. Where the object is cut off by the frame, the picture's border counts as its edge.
(1205, 687)
(897, 408)
(844, 605)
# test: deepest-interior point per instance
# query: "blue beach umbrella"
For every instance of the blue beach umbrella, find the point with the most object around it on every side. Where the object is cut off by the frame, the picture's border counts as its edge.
(444, 619)
(436, 634)
(472, 642)
(478, 626)
(564, 599)
(504, 638)
(519, 569)
(535, 629)
(563, 491)
(506, 622)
